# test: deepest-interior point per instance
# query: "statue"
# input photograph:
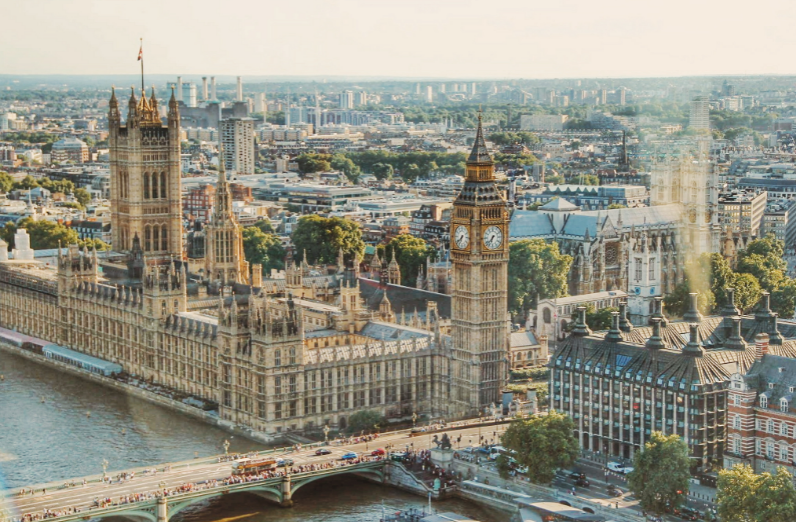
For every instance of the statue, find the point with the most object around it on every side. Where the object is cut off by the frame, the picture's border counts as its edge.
(445, 443)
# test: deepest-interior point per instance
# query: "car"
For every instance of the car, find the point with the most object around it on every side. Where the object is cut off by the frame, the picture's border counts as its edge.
(377, 452)
(628, 469)
(322, 451)
(281, 463)
(575, 475)
(349, 456)
(619, 468)
(397, 456)
(615, 491)
(582, 483)
(687, 513)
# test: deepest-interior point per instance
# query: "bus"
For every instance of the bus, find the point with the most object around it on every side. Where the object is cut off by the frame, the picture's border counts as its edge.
(244, 466)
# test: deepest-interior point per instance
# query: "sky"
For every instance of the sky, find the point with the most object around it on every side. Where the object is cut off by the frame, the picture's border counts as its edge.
(401, 38)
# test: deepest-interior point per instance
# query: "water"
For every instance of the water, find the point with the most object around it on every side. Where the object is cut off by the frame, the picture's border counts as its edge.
(55, 440)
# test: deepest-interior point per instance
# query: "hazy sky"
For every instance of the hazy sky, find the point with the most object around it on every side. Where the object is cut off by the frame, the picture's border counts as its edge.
(400, 38)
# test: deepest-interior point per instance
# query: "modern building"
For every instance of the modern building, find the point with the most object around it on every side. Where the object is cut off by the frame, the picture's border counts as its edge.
(590, 197)
(700, 113)
(780, 219)
(347, 100)
(69, 150)
(742, 211)
(237, 138)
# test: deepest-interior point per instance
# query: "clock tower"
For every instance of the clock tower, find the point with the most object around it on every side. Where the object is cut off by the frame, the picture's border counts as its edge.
(479, 317)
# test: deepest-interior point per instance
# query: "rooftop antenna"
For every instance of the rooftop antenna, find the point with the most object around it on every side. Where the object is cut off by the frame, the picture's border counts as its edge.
(141, 59)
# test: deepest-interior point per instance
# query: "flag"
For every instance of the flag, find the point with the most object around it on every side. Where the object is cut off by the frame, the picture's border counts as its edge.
(141, 52)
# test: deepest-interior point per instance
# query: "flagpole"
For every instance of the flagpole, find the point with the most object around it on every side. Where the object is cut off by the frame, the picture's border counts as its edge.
(143, 91)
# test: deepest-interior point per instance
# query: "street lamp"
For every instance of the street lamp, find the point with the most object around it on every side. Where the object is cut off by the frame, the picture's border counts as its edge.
(104, 468)
(226, 447)
(326, 433)
(414, 419)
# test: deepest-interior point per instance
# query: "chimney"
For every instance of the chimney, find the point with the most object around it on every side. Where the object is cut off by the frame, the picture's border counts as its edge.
(729, 308)
(179, 88)
(761, 345)
(204, 88)
(763, 311)
(624, 323)
(614, 335)
(735, 341)
(239, 95)
(581, 328)
(655, 342)
(692, 315)
(213, 88)
(693, 347)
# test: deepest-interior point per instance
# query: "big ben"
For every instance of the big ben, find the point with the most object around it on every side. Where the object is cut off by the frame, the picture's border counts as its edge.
(480, 252)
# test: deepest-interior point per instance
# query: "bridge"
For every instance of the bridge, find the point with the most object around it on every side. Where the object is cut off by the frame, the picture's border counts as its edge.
(156, 494)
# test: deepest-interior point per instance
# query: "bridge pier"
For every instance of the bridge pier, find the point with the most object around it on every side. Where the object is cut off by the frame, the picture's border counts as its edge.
(162, 510)
(287, 496)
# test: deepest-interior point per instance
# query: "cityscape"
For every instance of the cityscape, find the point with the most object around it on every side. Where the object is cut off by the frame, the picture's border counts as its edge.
(401, 279)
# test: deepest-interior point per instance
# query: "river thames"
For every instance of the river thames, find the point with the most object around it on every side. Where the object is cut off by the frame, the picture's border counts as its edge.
(55, 426)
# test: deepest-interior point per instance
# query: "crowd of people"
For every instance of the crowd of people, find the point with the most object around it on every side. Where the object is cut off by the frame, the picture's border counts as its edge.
(106, 502)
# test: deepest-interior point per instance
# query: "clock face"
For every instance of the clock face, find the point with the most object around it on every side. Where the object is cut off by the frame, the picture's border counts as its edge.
(462, 236)
(493, 237)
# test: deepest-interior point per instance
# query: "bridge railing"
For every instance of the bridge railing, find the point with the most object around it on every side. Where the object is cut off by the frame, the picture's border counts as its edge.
(200, 490)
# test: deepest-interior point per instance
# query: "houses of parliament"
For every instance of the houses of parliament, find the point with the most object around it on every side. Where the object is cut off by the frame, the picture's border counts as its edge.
(275, 355)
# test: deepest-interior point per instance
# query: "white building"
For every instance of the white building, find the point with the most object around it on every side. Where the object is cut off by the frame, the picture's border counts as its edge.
(700, 113)
(543, 122)
(237, 136)
(347, 100)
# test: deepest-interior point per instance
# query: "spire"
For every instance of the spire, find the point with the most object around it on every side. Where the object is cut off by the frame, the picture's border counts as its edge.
(479, 154)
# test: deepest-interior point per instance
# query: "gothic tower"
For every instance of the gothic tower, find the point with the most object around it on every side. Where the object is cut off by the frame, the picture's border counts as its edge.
(146, 192)
(224, 259)
(480, 254)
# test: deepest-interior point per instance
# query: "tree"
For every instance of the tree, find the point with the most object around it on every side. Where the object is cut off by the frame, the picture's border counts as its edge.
(613, 206)
(677, 302)
(410, 253)
(82, 196)
(344, 164)
(537, 270)
(322, 238)
(43, 234)
(366, 420)
(383, 171)
(783, 299)
(661, 472)
(747, 291)
(745, 496)
(6, 182)
(596, 319)
(262, 248)
(543, 444)
(309, 163)
(27, 183)
(264, 225)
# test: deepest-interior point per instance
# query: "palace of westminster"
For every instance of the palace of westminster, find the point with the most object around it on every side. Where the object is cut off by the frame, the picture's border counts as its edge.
(291, 354)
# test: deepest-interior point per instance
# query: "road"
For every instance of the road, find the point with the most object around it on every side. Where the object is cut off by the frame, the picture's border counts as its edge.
(55, 497)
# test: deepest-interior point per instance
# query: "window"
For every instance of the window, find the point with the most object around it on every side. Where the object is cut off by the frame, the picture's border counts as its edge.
(278, 410)
(783, 406)
(292, 355)
(277, 357)
(652, 269)
(278, 385)
(638, 269)
(737, 422)
(771, 426)
(736, 445)
(763, 401)
(546, 316)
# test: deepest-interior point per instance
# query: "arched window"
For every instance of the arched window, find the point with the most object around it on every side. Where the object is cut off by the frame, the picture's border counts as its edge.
(147, 238)
(546, 316)
(146, 185)
(154, 185)
(277, 357)
(155, 237)
(164, 238)
(783, 406)
(163, 192)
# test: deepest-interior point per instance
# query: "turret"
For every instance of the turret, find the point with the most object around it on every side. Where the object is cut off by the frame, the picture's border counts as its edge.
(132, 115)
(174, 113)
(114, 117)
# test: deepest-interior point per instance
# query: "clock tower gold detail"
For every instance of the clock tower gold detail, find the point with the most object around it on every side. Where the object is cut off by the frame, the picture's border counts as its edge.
(479, 315)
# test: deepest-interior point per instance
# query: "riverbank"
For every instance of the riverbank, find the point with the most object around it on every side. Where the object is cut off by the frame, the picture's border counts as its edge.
(210, 418)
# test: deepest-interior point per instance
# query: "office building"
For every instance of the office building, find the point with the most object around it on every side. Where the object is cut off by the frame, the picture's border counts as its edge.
(347, 100)
(700, 113)
(543, 122)
(237, 136)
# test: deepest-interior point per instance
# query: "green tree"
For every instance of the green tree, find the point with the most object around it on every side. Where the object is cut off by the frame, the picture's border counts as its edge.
(383, 171)
(678, 301)
(264, 224)
(6, 182)
(660, 476)
(367, 421)
(322, 238)
(262, 248)
(616, 205)
(43, 234)
(309, 163)
(537, 269)
(82, 196)
(596, 319)
(747, 291)
(93, 243)
(503, 466)
(783, 299)
(744, 496)
(543, 444)
(344, 164)
(27, 183)
(410, 253)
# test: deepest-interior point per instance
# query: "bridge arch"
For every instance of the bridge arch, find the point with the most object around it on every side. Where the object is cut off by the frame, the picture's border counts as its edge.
(375, 473)
(271, 494)
(135, 516)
